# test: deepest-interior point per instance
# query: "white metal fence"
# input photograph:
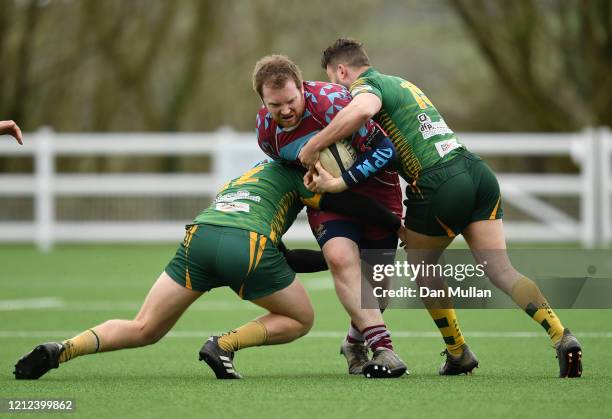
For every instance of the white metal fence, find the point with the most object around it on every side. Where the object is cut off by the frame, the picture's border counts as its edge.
(591, 185)
(233, 152)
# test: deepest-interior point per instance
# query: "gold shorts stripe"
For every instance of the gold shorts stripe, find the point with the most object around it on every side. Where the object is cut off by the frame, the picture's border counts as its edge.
(188, 238)
(187, 279)
(262, 247)
(190, 234)
(449, 232)
(254, 238)
(494, 212)
(252, 243)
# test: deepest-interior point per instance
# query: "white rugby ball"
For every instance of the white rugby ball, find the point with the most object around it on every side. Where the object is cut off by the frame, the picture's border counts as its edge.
(338, 157)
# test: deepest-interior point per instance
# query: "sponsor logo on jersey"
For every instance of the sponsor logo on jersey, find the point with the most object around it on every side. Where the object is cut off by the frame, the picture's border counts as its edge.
(381, 157)
(446, 146)
(231, 197)
(430, 128)
(361, 89)
(232, 207)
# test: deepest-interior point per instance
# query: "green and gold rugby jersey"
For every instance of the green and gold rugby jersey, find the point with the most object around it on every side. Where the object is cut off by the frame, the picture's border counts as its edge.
(266, 199)
(416, 128)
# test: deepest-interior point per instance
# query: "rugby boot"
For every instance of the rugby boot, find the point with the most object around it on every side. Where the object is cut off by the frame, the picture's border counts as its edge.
(220, 361)
(39, 361)
(384, 364)
(462, 364)
(356, 355)
(569, 354)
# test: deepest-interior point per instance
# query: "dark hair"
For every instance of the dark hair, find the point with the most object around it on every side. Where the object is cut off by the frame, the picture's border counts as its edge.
(345, 51)
(275, 70)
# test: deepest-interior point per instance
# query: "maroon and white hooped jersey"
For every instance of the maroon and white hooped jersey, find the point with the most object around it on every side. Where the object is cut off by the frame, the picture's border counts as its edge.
(323, 102)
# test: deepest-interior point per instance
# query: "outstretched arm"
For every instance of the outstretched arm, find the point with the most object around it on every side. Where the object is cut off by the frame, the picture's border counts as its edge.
(361, 109)
(303, 260)
(361, 207)
(348, 203)
(11, 128)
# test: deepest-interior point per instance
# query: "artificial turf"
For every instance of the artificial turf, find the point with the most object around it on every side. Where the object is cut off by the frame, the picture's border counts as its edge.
(77, 287)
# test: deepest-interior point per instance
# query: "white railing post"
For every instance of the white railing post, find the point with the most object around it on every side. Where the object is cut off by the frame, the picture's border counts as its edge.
(233, 153)
(44, 209)
(588, 198)
(605, 139)
(222, 155)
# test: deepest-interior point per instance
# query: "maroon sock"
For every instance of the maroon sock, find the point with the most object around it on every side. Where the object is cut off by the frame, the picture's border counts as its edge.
(377, 337)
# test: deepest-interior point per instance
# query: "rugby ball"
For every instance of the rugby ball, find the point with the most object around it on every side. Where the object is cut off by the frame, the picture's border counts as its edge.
(338, 157)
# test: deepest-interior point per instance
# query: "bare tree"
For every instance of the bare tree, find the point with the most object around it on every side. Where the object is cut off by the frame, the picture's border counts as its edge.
(15, 108)
(202, 34)
(553, 56)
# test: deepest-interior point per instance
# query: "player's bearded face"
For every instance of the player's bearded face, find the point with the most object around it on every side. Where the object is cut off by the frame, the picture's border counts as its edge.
(286, 105)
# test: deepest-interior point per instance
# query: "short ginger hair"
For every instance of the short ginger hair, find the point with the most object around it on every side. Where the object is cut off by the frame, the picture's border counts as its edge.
(275, 70)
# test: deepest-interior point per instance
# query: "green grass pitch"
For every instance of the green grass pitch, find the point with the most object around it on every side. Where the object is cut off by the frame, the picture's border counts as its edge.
(76, 287)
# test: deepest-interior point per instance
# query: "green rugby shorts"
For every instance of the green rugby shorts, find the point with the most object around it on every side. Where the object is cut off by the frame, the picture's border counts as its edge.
(448, 197)
(213, 256)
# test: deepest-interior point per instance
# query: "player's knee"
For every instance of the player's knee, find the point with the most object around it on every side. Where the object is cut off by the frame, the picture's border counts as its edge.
(302, 329)
(305, 320)
(338, 260)
(149, 333)
(502, 274)
(307, 323)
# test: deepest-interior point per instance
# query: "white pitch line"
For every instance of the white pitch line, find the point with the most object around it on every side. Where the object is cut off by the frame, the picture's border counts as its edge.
(57, 304)
(319, 284)
(7, 334)
(31, 304)
(135, 305)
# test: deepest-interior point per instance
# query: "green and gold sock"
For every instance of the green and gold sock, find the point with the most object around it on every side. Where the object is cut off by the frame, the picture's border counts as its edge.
(86, 343)
(253, 333)
(446, 321)
(527, 296)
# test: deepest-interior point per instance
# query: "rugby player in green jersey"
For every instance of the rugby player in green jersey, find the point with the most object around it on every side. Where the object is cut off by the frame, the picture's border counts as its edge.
(234, 242)
(450, 191)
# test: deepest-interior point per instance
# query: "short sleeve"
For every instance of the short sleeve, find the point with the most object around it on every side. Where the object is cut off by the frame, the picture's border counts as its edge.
(365, 85)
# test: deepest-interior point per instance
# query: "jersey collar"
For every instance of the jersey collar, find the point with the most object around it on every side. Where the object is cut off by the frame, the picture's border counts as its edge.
(368, 72)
